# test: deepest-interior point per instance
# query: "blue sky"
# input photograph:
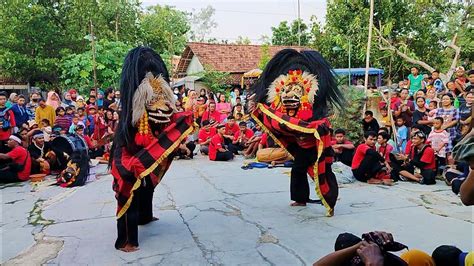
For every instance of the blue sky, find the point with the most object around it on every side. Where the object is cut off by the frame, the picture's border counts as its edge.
(251, 19)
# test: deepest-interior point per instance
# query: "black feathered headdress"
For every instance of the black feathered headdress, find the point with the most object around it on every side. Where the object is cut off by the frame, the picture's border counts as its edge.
(138, 62)
(309, 64)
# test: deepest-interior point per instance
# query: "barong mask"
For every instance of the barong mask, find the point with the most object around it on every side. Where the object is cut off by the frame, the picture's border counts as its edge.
(293, 91)
(154, 102)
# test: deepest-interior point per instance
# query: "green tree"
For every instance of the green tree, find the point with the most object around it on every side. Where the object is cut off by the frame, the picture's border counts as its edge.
(265, 56)
(202, 23)
(215, 80)
(286, 34)
(243, 40)
(77, 72)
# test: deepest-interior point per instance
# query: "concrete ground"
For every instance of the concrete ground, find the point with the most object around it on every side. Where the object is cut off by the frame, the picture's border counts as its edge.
(217, 213)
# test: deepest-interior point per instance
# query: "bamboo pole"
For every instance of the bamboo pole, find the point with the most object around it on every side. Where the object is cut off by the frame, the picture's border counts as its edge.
(94, 63)
(367, 56)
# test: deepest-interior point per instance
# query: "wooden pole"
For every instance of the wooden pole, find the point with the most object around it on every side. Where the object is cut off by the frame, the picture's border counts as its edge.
(367, 56)
(94, 63)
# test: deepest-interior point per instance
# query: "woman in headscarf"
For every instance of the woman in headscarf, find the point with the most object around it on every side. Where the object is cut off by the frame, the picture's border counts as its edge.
(11, 100)
(80, 103)
(73, 94)
(100, 98)
(67, 101)
(53, 100)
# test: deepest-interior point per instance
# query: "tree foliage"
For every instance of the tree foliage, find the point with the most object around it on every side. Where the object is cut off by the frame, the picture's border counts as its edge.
(286, 34)
(77, 69)
(215, 80)
(202, 23)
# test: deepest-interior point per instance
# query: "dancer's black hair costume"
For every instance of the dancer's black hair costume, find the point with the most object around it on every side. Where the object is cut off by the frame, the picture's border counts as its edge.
(149, 131)
(292, 95)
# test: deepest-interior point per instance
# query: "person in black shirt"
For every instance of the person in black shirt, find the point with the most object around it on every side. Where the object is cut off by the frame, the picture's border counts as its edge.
(369, 123)
(109, 98)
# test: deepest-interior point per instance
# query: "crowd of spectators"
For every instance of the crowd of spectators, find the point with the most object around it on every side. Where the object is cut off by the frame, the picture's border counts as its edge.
(421, 121)
(29, 124)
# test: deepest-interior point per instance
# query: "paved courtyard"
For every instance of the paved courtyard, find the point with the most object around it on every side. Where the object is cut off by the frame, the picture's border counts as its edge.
(217, 213)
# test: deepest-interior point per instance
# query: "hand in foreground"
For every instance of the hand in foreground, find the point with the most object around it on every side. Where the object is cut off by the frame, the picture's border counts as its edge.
(370, 254)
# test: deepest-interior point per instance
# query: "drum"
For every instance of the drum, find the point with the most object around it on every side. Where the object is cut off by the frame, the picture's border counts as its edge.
(69, 144)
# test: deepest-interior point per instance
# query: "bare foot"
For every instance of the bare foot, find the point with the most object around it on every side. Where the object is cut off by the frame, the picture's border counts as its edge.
(129, 248)
(296, 204)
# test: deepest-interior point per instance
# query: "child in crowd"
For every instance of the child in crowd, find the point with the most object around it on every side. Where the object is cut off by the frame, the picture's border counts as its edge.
(439, 139)
(386, 121)
(75, 122)
(433, 106)
(402, 134)
(46, 127)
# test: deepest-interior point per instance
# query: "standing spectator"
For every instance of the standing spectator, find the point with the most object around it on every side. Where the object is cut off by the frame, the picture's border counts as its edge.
(44, 111)
(414, 81)
(402, 134)
(460, 80)
(200, 109)
(53, 100)
(20, 169)
(235, 94)
(12, 100)
(450, 116)
(7, 122)
(366, 164)
(439, 139)
(404, 108)
(238, 109)
(217, 150)
(394, 99)
(117, 105)
(204, 137)
(369, 123)
(386, 119)
(92, 100)
(223, 107)
(33, 104)
(61, 119)
(109, 98)
(89, 119)
(203, 94)
(343, 148)
(420, 116)
(191, 102)
(437, 82)
(100, 98)
(20, 112)
(430, 95)
(465, 113)
(67, 101)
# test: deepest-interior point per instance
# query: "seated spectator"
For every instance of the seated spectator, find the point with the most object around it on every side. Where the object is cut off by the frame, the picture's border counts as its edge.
(419, 165)
(465, 113)
(24, 137)
(15, 165)
(47, 129)
(446, 255)
(231, 128)
(404, 108)
(201, 107)
(437, 82)
(94, 150)
(89, 119)
(417, 257)
(420, 116)
(402, 134)
(75, 122)
(464, 152)
(439, 140)
(390, 141)
(343, 148)
(238, 109)
(367, 163)
(386, 120)
(384, 149)
(253, 143)
(186, 149)
(204, 137)
(212, 115)
(38, 149)
(241, 138)
(369, 123)
(217, 148)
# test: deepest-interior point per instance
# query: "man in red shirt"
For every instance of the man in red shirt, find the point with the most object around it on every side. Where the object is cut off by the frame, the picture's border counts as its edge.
(419, 165)
(343, 149)
(231, 128)
(205, 135)
(211, 114)
(241, 138)
(217, 150)
(18, 167)
(7, 123)
(366, 165)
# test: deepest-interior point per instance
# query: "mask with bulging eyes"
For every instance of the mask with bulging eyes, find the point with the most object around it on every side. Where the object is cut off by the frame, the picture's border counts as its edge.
(153, 99)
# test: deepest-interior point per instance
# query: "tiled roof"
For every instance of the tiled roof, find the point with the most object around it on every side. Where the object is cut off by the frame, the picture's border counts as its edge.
(231, 58)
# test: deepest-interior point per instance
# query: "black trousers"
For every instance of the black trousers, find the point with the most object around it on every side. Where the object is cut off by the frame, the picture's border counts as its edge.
(8, 176)
(368, 168)
(224, 156)
(235, 148)
(299, 186)
(140, 212)
(3, 146)
(345, 157)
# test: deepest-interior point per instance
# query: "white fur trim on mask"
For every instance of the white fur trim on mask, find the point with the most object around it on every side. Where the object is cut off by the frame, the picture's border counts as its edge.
(142, 96)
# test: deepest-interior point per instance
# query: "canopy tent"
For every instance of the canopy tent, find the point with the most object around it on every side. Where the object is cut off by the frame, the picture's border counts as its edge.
(358, 72)
(254, 73)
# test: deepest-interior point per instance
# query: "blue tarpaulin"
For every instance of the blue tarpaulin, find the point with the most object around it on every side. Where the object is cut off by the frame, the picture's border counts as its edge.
(358, 71)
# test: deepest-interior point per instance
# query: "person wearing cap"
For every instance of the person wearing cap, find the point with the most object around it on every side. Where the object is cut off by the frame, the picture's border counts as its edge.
(38, 149)
(15, 165)
(44, 111)
(419, 165)
(217, 150)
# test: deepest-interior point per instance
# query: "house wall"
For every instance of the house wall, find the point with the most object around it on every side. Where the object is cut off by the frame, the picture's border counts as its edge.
(194, 66)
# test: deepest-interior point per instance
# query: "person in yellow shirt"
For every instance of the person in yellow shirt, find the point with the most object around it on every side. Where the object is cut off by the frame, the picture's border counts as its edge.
(44, 111)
